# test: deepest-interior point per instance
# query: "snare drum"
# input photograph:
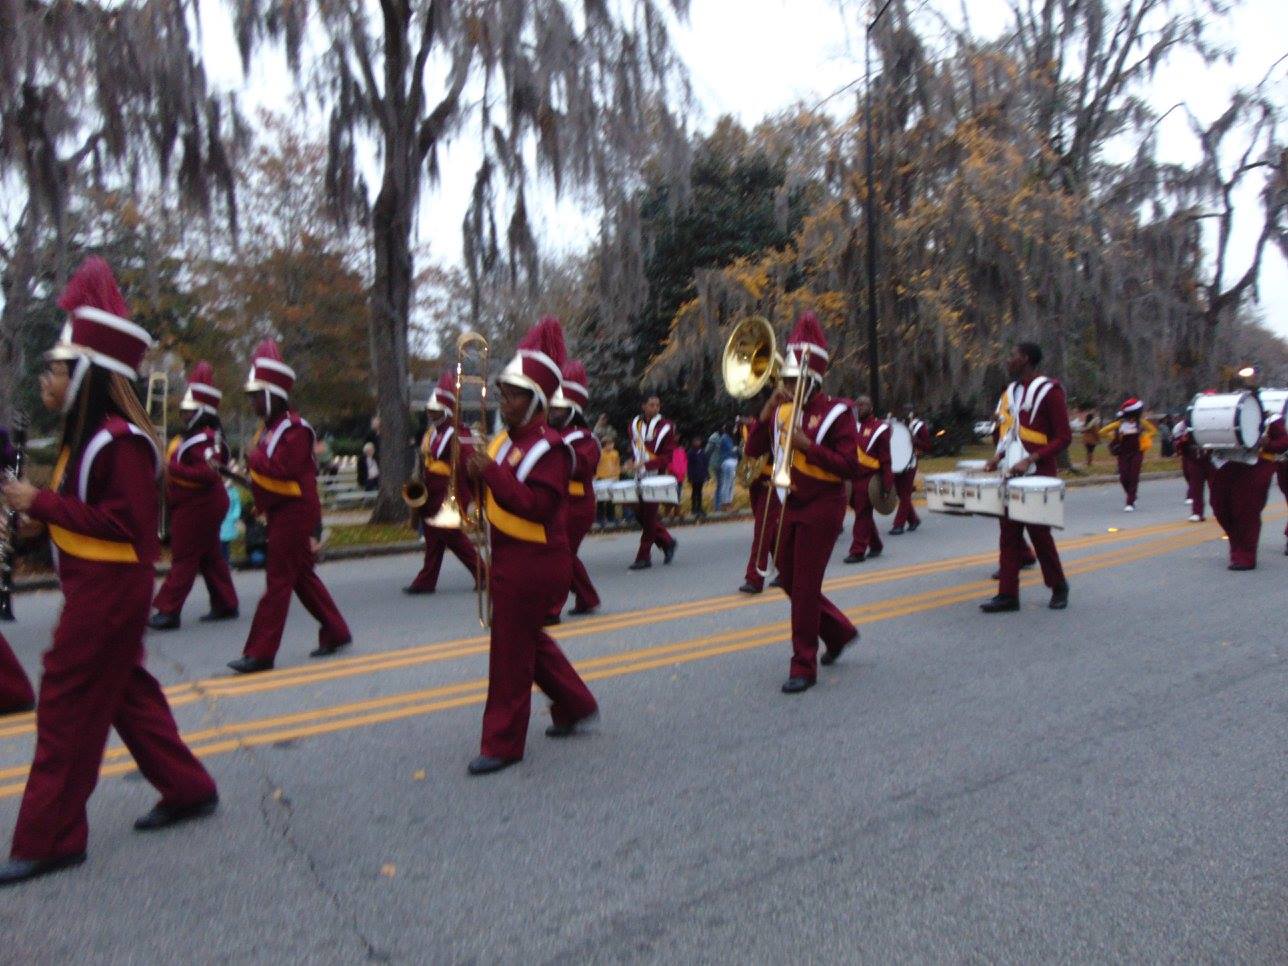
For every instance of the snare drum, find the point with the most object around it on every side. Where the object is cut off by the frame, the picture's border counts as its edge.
(624, 491)
(902, 456)
(944, 493)
(972, 466)
(1227, 420)
(660, 489)
(985, 495)
(604, 491)
(1036, 499)
(1273, 401)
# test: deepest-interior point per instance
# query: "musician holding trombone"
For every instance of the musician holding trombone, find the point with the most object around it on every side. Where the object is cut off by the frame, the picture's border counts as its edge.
(813, 440)
(524, 478)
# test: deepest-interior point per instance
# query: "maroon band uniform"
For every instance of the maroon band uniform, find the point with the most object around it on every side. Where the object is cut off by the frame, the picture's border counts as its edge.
(574, 395)
(652, 443)
(905, 482)
(763, 527)
(15, 689)
(1239, 493)
(872, 457)
(1195, 468)
(1132, 436)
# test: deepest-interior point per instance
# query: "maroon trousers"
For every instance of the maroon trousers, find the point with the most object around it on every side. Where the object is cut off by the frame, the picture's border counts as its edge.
(1011, 551)
(195, 549)
(651, 531)
(94, 679)
(764, 530)
(903, 485)
(1130, 459)
(15, 689)
(437, 541)
(1281, 471)
(581, 517)
(866, 536)
(1195, 473)
(290, 570)
(809, 534)
(1239, 493)
(525, 586)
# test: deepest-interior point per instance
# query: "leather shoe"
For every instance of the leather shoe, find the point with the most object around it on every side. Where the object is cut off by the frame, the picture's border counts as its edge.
(1235, 566)
(829, 656)
(778, 581)
(163, 816)
(874, 553)
(1000, 604)
(551, 620)
(797, 685)
(219, 615)
(17, 709)
(896, 531)
(326, 650)
(913, 525)
(564, 730)
(411, 591)
(485, 765)
(164, 622)
(856, 558)
(749, 588)
(250, 665)
(20, 870)
(1059, 597)
(640, 565)
(580, 611)
(669, 553)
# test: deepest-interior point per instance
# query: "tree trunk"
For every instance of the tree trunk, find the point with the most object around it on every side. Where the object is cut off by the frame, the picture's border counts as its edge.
(16, 280)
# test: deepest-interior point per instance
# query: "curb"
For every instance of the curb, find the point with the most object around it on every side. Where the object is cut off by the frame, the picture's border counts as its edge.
(410, 546)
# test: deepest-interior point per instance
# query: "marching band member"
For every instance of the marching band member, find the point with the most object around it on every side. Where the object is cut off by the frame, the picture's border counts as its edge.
(763, 528)
(284, 478)
(198, 504)
(873, 455)
(526, 472)
(1239, 492)
(435, 473)
(906, 516)
(1002, 420)
(652, 441)
(15, 690)
(826, 443)
(1041, 423)
(1131, 435)
(101, 511)
(1195, 467)
(568, 417)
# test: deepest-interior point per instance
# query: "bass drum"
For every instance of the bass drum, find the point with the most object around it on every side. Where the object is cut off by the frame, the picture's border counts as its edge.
(1226, 421)
(1274, 401)
(902, 456)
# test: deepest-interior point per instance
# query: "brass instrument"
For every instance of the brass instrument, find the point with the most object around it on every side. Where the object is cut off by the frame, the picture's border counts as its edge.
(9, 536)
(158, 408)
(414, 493)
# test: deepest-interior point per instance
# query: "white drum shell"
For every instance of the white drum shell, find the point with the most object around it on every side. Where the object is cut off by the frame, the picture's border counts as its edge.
(972, 466)
(604, 490)
(1036, 499)
(944, 493)
(985, 495)
(1273, 401)
(1226, 421)
(624, 491)
(660, 489)
(902, 455)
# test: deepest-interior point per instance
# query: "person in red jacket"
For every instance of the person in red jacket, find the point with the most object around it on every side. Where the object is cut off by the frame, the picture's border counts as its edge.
(1240, 489)
(653, 438)
(101, 511)
(825, 445)
(568, 418)
(765, 511)
(1195, 467)
(283, 475)
(906, 516)
(15, 690)
(435, 473)
(873, 455)
(526, 471)
(198, 504)
(1040, 421)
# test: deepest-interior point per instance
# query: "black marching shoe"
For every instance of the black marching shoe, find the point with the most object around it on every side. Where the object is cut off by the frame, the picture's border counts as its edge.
(749, 588)
(1235, 566)
(874, 553)
(640, 565)
(669, 553)
(777, 582)
(219, 615)
(896, 531)
(551, 620)
(164, 622)
(163, 816)
(18, 709)
(1000, 604)
(580, 611)
(326, 650)
(564, 730)
(1286, 550)
(485, 765)
(797, 685)
(856, 558)
(250, 665)
(20, 870)
(829, 656)
(913, 525)
(1059, 597)
(412, 591)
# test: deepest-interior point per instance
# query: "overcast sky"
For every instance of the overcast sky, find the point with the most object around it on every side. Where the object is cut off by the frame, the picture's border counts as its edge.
(753, 58)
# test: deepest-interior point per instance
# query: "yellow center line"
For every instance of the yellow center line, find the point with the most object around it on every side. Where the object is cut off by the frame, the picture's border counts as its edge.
(304, 724)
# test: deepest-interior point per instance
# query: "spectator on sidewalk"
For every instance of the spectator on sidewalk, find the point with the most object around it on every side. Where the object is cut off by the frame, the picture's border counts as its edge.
(699, 472)
(369, 459)
(610, 468)
(228, 529)
(680, 470)
(728, 469)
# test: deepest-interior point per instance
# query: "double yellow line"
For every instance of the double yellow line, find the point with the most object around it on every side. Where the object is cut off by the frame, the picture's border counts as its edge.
(190, 692)
(304, 724)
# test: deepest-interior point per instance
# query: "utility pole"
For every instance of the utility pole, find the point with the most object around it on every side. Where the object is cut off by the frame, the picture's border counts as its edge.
(874, 356)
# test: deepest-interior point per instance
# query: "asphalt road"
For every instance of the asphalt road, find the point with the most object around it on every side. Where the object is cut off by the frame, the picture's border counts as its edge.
(1108, 782)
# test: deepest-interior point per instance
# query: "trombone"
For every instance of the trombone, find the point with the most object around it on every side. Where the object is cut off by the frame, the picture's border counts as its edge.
(158, 409)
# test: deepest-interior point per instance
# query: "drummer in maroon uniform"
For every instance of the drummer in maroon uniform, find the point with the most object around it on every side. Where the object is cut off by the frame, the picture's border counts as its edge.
(653, 439)
(1195, 467)
(1040, 421)
(825, 446)
(568, 417)
(1240, 487)
(873, 455)
(905, 481)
